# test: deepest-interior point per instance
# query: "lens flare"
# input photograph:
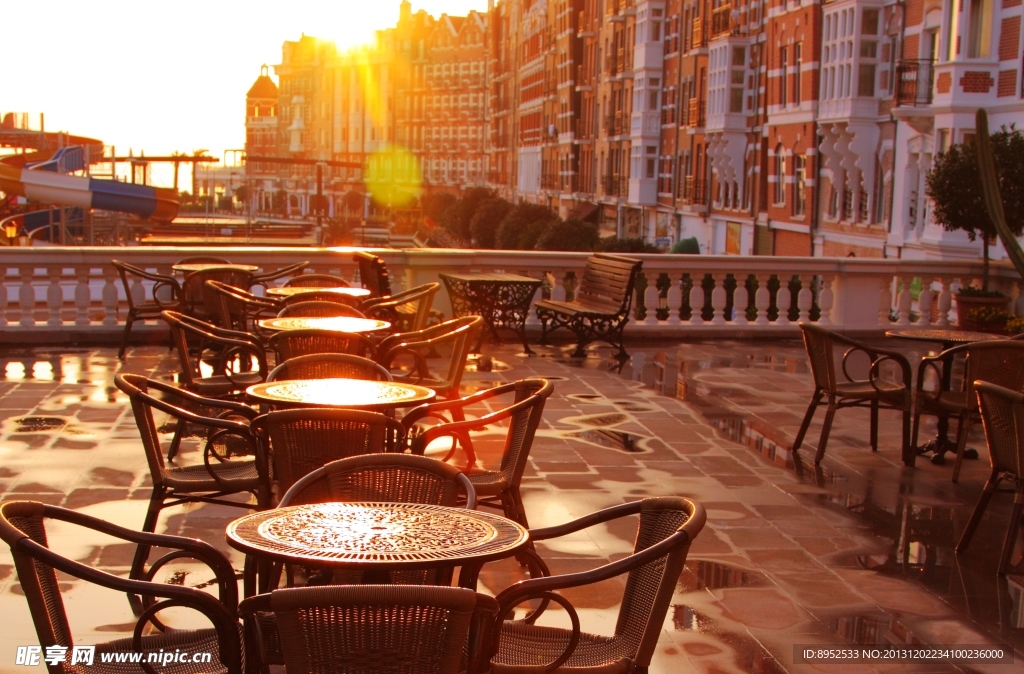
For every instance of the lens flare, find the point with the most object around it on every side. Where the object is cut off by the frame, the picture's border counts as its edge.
(393, 177)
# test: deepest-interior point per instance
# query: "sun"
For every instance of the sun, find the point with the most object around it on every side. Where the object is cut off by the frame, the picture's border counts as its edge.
(349, 30)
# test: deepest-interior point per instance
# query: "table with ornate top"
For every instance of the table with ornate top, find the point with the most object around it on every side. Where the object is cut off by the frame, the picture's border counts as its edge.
(376, 538)
(378, 396)
(190, 267)
(948, 338)
(291, 291)
(502, 300)
(335, 323)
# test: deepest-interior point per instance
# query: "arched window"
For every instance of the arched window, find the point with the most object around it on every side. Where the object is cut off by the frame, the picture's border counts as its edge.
(780, 175)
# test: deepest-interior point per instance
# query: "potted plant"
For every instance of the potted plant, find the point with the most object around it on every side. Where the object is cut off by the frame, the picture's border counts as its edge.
(954, 185)
(986, 319)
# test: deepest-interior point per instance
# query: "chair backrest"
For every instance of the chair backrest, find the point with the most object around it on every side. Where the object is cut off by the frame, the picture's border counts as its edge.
(166, 289)
(455, 337)
(202, 259)
(301, 440)
(233, 306)
(373, 273)
(291, 343)
(316, 281)
(366, 629)
(188, 334)
(318, 309)
(997, 362)
(407, 310)
(383, 478)
(199, 301)
(329, 366)
(525, 415)
(136, 387)
(609, 280)
(819, 344)
(1002, 413)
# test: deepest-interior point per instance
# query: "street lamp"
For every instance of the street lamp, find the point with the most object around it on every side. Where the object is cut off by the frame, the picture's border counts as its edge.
(11, 230)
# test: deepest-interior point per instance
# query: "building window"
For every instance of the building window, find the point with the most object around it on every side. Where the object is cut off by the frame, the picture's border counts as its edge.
(979, 40)
(798, 61)
(652, 161)
(780, 175)
(783, 76)
(799, 184)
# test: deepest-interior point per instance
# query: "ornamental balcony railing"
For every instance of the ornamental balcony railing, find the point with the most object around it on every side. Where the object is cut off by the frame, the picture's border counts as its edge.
(914, 82)
(75, 295)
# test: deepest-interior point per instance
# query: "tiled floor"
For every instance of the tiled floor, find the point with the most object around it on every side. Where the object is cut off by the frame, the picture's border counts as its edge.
(858, 552)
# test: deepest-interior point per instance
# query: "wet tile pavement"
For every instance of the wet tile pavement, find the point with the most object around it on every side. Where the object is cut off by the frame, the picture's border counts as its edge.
(859, 551)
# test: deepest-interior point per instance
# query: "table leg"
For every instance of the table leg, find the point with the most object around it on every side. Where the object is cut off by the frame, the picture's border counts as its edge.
(941, 443)
(468, 574)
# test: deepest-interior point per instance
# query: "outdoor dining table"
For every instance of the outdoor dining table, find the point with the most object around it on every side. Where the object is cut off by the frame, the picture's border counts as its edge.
(376, 396)
(948, 338)
(335, 323)
(375, 538)
(190, 267)
(502, 300)
(290, 291)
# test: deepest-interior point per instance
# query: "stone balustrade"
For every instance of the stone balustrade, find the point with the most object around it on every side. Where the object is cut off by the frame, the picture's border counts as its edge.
(76, 291)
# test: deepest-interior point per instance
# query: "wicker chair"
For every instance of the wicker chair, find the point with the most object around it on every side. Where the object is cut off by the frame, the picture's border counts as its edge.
(373, 273)
(316, 281)
(667, 527)
(230, 352)
(197, 300)
(288, 270)
(497, 487)
(238, 309)
(202, 259)
(218, 476)
(370, 629)
(454, 339)
(873, 392)
(23, 528)
(1002, 413)
(407, 311)
(299, 441)
(329, 366)
(996, 362)
(318, 309)
(166, 295)
(291, 343)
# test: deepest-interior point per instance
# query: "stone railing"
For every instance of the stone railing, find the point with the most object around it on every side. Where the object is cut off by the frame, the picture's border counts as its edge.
(74, 294)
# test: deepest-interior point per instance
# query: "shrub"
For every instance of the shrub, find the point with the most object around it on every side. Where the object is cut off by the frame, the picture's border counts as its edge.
(523, 225)
(486, 220)
(569, 234)
(687, 246)
(615, 245)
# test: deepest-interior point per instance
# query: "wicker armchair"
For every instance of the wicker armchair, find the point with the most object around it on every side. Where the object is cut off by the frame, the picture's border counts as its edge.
(288, 270)
(498, 487)
(318, 309)
(299, 441)
(329, 366)
(373, 273)
(316, 281)
(203, 259)
(166, 295)
(370, 629)
(231, 353)
(291, 343)
(453, 339)
(23, 528)
(667, 527)
(222, 473)
(324, 296)
(997, 362)
(1002, 413)
(197, 300)
(238, 309)
(873, 392)
(407, 311)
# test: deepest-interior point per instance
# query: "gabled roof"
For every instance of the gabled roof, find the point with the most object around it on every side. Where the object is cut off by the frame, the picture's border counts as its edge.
(263, 87)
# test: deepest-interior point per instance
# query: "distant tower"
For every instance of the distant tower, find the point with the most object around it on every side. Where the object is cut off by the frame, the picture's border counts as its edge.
(261, 138)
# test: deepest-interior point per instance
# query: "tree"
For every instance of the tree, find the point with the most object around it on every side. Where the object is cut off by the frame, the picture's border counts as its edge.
(486, 220)
(954, 186)
(571, 234)
(687, 246)
(457, 217)
(523, 226)
(614, 245)
(434, 205)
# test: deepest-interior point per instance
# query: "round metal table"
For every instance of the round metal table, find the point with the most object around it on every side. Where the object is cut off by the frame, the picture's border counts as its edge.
(290, 291)
(377, 538)
(345, 393)
(334, 323)
(191, 267)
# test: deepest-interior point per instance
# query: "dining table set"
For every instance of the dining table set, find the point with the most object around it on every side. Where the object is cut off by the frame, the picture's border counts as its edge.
(334, 414)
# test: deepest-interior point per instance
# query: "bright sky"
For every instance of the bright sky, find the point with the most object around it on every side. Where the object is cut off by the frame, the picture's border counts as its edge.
(165, 76)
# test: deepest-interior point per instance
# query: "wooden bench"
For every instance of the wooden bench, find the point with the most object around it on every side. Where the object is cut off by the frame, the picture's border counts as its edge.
(600, 310)
(373, 274)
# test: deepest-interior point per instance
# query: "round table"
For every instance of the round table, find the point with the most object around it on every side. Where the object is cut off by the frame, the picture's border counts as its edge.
(290, 291)
(377, 538)
(190, 267)
(948, 337)
(345, 393)
(334, 323)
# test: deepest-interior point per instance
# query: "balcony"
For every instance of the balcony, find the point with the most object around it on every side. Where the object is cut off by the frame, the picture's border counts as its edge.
(914, 83)
(698, 38)
(721, 21)
(695, 113)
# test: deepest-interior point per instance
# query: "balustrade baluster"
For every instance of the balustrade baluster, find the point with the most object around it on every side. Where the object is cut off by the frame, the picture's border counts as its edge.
(762, 300)
(740, 300)
(531, 315)
(945, 302)
(696, 301)
(27, 297)
(82, 296)
(885, 301)
(718, 299)
(784, 301)
(651, 300)
(826, 299)
(924, 302)
(904, 301)
(805, 297)
(54, 297)
(110, 297)
(674, 299)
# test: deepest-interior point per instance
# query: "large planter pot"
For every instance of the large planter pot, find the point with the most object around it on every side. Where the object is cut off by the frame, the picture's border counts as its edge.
(966, 303)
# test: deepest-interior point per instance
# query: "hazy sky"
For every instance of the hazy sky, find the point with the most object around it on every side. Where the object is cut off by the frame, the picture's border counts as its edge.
(170, 75)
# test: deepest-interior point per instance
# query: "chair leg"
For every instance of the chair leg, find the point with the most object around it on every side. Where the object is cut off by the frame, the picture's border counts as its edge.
(909, 450)
(874, 425)
(979, 510)
(156, 502)
(830, 414)
(962, 428)
(917, 420)
(1011, 532)
(808, 415)
(179, 430)
(124, 339)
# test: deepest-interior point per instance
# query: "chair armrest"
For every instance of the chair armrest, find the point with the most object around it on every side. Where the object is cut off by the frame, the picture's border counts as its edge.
(432, 409)
(229, 406)
(874, 376)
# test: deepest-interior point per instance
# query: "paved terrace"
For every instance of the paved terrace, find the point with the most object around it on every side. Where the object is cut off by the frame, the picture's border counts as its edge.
(857, 552)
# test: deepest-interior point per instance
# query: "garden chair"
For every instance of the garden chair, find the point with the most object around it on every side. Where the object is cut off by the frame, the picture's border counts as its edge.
(329, 366)
(373, 273)
(318, 309)
(263, 279)
(406, 354)
(666, 529)
(1002, 414)
(23, 526)
(197, 301)
(238, 359)
(238, 309)
(166, 294)
(407, 311)
(291, 343)
(875, 392)
(997, 362)
(316, 281)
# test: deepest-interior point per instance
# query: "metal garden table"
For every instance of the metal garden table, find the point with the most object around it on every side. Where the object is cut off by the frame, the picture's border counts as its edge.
(502, 300)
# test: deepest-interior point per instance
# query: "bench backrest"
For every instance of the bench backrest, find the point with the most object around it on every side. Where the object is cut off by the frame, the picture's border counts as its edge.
(373, 273)
(608, 282)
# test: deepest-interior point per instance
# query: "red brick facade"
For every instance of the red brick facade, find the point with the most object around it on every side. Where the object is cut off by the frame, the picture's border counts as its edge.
(1009, 39)
(1007, 83)
(974, 82)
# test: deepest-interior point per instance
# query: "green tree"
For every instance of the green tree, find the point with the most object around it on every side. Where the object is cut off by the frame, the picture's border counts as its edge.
(954, 186)
(486, 220)
(434, 205)
(456, 218)
(615, 245)
(523, 226)
(571, 234)
(688, 246)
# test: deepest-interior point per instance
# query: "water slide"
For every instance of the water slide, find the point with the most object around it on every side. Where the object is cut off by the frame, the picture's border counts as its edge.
(40, 177)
